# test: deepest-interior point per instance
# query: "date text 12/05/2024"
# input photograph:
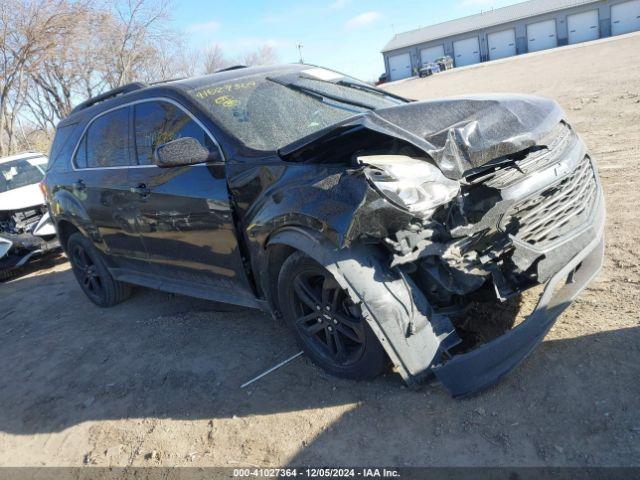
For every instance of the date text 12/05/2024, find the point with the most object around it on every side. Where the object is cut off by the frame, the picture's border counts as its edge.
(317, 472)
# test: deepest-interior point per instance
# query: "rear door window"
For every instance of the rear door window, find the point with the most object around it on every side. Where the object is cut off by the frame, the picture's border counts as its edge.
(159, 122)
(107, 141)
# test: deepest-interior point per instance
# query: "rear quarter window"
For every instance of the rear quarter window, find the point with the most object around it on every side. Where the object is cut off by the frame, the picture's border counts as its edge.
(63, 144)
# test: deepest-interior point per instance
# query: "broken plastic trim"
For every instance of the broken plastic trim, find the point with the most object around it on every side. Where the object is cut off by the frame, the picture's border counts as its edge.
(5, 246)
(469, 373)
(395, 308)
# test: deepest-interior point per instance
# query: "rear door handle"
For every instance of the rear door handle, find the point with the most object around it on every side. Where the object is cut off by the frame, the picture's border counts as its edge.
(141, 190)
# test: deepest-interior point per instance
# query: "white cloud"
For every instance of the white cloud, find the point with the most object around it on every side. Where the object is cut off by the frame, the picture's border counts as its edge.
(204, 27)
(362, 20)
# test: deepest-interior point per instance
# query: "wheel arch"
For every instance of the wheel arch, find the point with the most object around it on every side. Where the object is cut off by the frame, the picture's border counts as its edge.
(277, 247)
(396, 310)
(65, 229)
(69, 215)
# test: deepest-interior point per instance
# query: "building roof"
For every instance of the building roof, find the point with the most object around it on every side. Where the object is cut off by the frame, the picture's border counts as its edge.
(481, 20)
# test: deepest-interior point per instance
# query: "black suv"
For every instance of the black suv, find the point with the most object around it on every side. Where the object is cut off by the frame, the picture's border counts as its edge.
(369, 222)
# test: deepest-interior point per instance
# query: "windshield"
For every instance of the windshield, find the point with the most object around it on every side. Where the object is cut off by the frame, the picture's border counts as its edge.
(20, 173)
(269, 110)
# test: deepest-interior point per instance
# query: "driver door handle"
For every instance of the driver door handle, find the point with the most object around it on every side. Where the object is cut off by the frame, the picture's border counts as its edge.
(141, 190)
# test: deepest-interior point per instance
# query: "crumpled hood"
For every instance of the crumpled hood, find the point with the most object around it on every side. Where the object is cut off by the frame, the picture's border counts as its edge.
(461, 134)
(21, 198)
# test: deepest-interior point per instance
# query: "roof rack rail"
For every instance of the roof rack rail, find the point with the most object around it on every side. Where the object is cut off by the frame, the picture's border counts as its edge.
(130, 87)
(233, 67)
(160, 82)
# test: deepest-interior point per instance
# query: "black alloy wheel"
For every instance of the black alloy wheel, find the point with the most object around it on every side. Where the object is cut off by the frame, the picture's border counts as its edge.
(86, 272)
(92, 273)
(325, 315)
(328, 325)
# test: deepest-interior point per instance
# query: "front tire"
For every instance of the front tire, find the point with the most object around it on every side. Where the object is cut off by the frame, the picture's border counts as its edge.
(92, 274)
(6, 274)
(328, 326)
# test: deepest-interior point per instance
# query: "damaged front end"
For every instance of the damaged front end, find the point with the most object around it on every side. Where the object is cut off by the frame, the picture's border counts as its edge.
(535, 218)
(474, 201)
(24, 233)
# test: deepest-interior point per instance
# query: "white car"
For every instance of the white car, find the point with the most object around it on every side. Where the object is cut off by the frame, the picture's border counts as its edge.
(26, 229)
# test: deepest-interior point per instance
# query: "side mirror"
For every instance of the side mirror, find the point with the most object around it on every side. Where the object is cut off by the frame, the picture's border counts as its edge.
(183, 151)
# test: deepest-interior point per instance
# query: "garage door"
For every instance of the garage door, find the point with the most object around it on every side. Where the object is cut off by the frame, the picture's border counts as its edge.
(430, 54)
(583, 26)
(466, 52)
(502, 44)
(399, 66)
(541, 35)
(625, 17)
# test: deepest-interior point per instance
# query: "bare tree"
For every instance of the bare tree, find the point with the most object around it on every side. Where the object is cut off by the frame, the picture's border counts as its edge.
(56, 53)
(169, 58)
(136, 27)
(69, 70)
(29, 31)
(265, 55)
(107, 46)
(214, 59)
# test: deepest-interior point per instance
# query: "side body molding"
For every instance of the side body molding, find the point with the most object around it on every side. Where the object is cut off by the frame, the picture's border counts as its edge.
(396, 310)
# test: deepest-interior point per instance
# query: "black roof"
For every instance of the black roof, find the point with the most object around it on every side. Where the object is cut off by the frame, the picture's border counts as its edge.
(221, 76)
(233, 73)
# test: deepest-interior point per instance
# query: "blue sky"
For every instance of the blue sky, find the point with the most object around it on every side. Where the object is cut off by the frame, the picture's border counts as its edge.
(346, 35)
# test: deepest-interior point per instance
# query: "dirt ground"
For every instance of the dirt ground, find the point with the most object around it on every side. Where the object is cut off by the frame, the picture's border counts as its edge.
(155, 381)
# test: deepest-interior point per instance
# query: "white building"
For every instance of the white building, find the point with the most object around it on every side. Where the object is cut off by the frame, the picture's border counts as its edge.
(525, 27)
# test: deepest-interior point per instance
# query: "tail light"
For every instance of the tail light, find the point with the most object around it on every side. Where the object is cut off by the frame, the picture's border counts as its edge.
(43, 189)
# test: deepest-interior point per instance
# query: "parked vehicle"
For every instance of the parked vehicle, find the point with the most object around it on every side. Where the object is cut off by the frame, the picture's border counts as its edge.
(367, 221)
(445, 63)
(382, 79)
(26, 229)
(428, 69)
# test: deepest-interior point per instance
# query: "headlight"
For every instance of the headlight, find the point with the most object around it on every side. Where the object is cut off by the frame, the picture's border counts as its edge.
(413, 184)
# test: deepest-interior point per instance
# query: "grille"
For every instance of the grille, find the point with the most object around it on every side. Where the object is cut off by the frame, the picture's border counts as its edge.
(553, 147)
(548, 216)
(26, 220)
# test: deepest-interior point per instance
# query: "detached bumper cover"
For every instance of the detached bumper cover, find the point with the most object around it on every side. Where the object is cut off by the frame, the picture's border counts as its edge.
(18, 249)
(474, 371)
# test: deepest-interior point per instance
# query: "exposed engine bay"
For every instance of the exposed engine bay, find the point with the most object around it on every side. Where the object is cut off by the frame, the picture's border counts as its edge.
(21, 221)
(501, 229)
(23, 234)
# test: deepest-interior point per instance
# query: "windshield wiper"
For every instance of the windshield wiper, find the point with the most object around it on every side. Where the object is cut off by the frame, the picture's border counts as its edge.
(359, 86)
(321, 95)
(367, 88)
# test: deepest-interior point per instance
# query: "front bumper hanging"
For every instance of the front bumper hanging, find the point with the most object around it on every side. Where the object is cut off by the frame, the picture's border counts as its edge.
(12, 257)
(474, 371)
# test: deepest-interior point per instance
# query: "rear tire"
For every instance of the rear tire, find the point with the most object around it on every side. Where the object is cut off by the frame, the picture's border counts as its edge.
(92, 274)
(6, 274)
(328, 326)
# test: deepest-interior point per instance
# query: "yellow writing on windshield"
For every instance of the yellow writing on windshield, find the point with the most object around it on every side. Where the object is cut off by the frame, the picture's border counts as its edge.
(207, 92)
(226, 101)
